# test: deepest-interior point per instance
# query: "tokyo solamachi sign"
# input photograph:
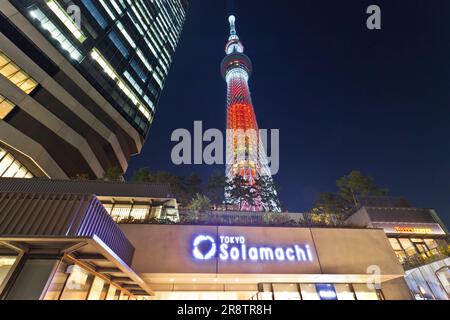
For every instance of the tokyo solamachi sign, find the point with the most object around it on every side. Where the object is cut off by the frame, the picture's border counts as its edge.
(236, 248)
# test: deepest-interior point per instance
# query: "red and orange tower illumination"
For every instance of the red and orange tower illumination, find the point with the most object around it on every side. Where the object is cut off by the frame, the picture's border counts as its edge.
(245, 152)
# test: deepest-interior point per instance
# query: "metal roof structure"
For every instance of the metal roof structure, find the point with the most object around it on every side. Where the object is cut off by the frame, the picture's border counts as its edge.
(98, 188)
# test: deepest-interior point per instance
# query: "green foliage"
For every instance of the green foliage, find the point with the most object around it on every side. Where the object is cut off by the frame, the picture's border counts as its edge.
(81, 177)
(355, 184)
(215, 189)
(193, 185)
(277, 218)
(142, 175)
(113, 174)
(200, 203)
(176, 182)
(333, 207)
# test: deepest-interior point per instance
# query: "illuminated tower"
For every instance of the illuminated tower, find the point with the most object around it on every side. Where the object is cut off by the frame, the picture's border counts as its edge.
(245, 152)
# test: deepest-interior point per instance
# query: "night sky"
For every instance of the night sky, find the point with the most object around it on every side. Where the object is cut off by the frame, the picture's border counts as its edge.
(345, 98)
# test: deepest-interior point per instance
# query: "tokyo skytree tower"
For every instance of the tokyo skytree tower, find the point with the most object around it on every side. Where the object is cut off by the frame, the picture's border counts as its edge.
(246, 156)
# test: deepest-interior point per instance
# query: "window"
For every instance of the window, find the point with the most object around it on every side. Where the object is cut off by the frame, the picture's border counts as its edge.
(112, 293)
(6, 263)
(121, 212)
(309, 292)
(344, 291)
(140, 212)
(431, 243)
(78, 284)
(56, 33)
(124, 296)
(109, 70)
(95, 13)
(99, 290)
(11, 168)
(363, 292)
(16, 75)
(58, 282)
(286, 291)
(408, 246)
(119, 44)
(326, 291)
(66, 20)
(395, 245)
(6, 107)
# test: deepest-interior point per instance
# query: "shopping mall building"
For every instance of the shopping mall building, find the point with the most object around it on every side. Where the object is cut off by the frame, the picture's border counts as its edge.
(65, 240)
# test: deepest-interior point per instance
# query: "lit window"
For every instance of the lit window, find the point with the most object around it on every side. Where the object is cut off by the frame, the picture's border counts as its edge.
(78, 284)
(66, 20)
(126, 35)
(56, 34)
(16, 75)
(105, 6)
(12, 168)
(6, 264)
(395, 245)
(116, 6)
(6, 107)
(108, 69)
(95, 13)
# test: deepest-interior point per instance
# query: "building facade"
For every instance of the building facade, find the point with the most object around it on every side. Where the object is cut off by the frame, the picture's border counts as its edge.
(80, 82)
(59, 240)
(420, 241)
(246, 156)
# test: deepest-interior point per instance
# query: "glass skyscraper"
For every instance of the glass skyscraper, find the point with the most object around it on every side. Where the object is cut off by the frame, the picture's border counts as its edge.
(81, 80)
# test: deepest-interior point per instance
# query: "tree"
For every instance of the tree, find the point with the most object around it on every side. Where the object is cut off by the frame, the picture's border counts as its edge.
(81, 177)
(113, 174)
(266, 190)
(241, 192)
(334, 206)
(200, 203)
(355, 184)
(215, 188)
(193, 185)
(142, 175)
(330, 204)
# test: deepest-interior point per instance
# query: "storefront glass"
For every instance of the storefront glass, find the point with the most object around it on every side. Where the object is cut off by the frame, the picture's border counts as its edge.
(99, 289)
(113, 293)
(344, 291)
(286, 292)
(78, 284)
(6, 263)
(58, 282)
(320, 291)
(309, 292)
(364, 292)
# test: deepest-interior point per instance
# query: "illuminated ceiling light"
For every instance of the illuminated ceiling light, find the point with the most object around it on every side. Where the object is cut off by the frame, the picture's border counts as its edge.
(66, 20)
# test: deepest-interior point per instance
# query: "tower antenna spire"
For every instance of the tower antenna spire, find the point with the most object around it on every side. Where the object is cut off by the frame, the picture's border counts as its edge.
(232, 20)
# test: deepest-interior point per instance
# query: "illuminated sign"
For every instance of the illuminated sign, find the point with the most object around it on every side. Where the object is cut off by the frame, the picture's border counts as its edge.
(413, 230)
(326, 292)
(236, 248)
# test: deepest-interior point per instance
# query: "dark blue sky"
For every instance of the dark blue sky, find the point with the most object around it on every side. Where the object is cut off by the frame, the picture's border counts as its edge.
(345, 98)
